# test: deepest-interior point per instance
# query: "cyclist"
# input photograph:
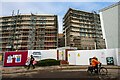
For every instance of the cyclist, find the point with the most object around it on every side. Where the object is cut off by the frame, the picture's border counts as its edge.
(94, 64)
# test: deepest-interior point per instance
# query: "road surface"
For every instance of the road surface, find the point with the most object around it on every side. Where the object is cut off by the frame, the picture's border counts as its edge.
(61, 75)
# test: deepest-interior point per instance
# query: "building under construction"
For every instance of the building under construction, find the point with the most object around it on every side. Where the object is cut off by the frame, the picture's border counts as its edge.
(83, 30)
(28, 32)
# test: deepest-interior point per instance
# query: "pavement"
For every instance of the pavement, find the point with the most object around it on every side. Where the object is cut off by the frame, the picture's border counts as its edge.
(11, 70)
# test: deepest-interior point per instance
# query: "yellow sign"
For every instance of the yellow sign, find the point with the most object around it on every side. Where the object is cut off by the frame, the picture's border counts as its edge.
(68, 55)
(0, 57)
(62, 52)
(78, 55)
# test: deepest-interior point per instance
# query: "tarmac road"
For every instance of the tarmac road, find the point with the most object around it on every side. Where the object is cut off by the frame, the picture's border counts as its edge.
(59, 75)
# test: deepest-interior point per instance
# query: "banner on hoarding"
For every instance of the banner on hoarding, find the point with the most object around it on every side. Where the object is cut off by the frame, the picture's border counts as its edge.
(43, 54)
(16, 58)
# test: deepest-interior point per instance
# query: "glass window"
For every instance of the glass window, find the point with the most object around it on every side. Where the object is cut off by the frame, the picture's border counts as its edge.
(42, 22)
(42, 18)
(88, 35)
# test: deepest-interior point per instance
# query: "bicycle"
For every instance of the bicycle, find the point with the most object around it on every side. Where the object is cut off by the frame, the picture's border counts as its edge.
(101, 70)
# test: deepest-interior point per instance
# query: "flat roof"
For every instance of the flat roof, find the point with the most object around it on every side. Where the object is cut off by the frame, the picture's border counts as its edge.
(78, 10)
(68, 47)
(51, 15)
(111, 6)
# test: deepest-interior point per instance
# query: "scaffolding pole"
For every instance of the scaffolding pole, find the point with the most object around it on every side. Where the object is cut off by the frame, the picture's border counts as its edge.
(32, 31)
(16, 36)
(13, 36)
(41, 36)
(10, 36)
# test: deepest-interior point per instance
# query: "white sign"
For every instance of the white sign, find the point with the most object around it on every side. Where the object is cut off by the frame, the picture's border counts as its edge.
(17, 58)
(9, 59)
(43, 54)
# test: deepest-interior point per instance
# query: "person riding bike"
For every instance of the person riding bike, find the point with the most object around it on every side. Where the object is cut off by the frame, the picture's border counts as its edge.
(94, 64)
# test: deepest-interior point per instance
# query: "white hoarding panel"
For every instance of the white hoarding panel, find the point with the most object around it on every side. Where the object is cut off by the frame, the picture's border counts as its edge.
(49, 54)
(111, 53)
(43, 54)
(118, 56)
(100, 54)
(61, 54)
(36, 54)
(71, 58)
(82, 57)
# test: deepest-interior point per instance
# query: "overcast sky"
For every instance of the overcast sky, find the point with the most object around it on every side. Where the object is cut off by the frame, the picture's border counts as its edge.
(57, 8)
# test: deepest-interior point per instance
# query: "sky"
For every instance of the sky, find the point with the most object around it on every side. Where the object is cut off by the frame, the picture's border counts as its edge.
(55, 8)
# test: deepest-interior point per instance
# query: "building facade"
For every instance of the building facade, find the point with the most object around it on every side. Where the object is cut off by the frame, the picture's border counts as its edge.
(110, 17)
(28, 32)
(83, 30)
(61, 40)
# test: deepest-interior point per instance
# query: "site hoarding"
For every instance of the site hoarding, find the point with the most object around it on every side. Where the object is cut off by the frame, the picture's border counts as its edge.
(43, 54)
(118, 56)
(61, 54)
(0, 57)
(111, 57)
(18, 58)
(72, 57)
(82, 57)
(15, 58)
(76, 57)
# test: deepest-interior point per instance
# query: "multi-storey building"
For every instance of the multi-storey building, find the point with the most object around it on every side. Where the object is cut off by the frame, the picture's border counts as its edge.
(83, 30)
(27, 32)
(61, 40)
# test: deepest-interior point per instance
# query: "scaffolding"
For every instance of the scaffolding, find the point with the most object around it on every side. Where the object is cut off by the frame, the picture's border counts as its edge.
(17, 31)
(13, 36)
(42, 38)
(32, 32)
(28, 32)
(10, 36)
(41, 35)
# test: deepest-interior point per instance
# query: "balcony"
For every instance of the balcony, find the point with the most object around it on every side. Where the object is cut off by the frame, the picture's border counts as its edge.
(50, 36)
(75, 25)
(50, 41)
(50, 46)
(4, 37)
